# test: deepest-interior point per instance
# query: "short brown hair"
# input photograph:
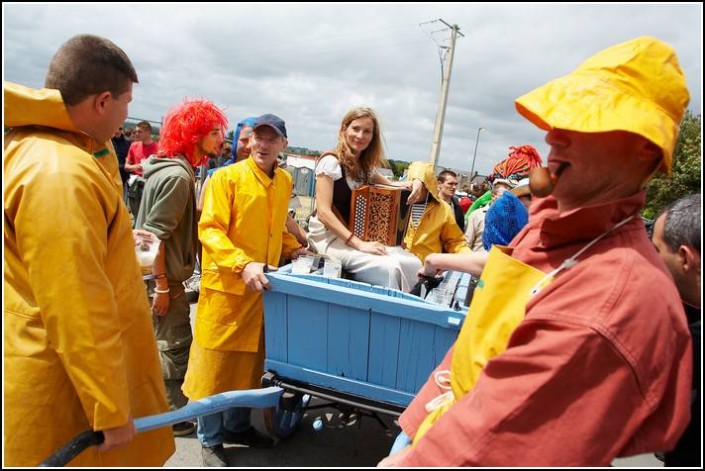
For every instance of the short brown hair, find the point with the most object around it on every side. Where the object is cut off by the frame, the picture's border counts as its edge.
(86, 65)
(445, 174)
(145, 126)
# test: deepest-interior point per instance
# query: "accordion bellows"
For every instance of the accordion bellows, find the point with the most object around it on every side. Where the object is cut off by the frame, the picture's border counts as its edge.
(379, 213)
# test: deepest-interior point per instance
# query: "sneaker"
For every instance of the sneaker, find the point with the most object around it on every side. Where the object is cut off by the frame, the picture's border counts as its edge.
(183, 428)
(250, 437)
(214, 457)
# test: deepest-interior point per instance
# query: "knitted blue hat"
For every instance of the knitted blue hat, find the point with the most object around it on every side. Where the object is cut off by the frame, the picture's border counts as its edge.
(505, 218)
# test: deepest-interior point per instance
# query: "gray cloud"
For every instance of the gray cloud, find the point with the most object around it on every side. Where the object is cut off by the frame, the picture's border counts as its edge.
(311, 63)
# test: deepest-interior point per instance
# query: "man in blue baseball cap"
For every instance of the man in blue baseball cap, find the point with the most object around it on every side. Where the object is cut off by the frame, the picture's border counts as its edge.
(245, 202)
(274, 122)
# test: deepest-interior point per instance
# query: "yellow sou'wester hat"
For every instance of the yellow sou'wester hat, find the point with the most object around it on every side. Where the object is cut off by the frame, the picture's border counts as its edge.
(636, 86)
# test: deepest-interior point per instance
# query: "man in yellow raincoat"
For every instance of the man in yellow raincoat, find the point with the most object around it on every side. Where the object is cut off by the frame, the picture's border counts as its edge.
(79, 347)
(242, 229)
(432, 225)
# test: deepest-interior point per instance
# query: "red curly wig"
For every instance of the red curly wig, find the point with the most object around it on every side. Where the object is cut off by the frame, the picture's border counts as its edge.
(515, 167)
(186, 124)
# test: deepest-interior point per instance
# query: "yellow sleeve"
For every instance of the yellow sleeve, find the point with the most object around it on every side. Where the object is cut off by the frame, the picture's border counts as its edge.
(218, 211)
(61, 230)
(289, 244)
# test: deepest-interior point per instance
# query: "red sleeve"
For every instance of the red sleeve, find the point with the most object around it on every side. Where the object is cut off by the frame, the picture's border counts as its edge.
(131, 154)
(560, 395)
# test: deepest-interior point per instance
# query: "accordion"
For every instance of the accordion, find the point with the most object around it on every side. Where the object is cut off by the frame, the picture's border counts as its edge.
(379, 213)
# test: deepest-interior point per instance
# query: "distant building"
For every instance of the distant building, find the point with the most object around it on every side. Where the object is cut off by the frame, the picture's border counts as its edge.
(301, 168)
(298, 161)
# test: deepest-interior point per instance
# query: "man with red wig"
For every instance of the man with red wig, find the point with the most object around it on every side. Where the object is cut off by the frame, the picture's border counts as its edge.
(191, 131)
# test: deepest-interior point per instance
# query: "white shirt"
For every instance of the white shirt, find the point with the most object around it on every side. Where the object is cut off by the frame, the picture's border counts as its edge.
(330, 166)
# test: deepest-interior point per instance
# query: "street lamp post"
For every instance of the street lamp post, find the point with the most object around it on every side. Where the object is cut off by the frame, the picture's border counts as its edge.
(474, 154)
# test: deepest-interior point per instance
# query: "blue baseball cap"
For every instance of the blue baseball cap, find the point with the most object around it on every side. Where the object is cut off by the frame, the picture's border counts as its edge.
(273, 121)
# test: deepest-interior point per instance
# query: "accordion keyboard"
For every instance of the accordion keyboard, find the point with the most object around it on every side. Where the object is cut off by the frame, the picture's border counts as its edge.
(379, 213)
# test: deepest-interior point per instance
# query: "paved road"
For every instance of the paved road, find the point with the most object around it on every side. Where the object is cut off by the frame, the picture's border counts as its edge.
(362, 443)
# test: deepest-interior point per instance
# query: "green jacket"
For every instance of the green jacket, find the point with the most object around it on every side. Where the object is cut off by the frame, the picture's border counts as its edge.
(168, 209)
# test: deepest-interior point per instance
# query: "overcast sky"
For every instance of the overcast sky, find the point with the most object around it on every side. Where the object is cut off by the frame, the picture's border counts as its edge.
(309, 63)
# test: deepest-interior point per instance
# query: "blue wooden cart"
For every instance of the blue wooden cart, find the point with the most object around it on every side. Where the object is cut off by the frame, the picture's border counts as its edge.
(355, 344)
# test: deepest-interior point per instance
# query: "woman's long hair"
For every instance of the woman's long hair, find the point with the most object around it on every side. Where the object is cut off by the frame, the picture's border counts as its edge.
(361, 167)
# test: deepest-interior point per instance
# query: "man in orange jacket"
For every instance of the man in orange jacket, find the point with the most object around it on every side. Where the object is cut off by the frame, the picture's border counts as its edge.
(576, 349)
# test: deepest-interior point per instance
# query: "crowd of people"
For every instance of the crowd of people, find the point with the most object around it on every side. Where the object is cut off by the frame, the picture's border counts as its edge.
(581, 343)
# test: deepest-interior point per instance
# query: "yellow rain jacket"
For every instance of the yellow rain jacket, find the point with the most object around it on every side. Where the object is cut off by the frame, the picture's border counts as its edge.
(437, 230)
(243, 220)
(79, 344)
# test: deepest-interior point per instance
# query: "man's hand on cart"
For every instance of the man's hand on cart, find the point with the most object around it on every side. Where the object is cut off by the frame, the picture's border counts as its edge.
(301, 251)
(429, 269)
(266, 398)
(253, 276)
(118, 436)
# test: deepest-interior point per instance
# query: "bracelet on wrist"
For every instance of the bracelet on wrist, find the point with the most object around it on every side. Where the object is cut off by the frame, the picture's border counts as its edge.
(161, 291)
(347, 241)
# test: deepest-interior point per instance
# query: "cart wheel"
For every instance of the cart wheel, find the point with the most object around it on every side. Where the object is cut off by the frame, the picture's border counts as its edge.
(282, 421)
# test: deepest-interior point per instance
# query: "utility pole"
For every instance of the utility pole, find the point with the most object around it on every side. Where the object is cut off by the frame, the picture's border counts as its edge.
(474, 154)
(440, 116)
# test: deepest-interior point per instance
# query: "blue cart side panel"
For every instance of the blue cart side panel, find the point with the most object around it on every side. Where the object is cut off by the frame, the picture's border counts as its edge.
(307, 335)
(348, 341)
(276, 330)
(384, 350)
(416, 358)
(373, 342)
